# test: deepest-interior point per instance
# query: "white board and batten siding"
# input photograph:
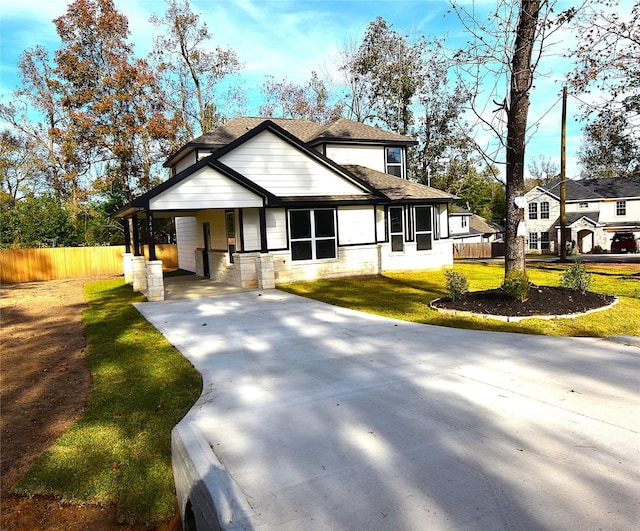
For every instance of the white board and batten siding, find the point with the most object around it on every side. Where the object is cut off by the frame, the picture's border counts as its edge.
(251, 229)
(285, 171)
(189, 237)
(276, 228)
(206, 188)
(367, 156)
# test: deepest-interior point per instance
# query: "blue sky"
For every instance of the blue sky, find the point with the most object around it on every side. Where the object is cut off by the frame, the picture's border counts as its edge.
(291, 38)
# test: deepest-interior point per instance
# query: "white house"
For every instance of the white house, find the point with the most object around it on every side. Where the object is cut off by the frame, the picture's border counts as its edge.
(259, 202)
(466, 227)
(595, 210)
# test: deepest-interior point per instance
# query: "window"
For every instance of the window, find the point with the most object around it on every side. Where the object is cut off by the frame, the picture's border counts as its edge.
(533, 241)
(396, 229)
(533, 210)
(424, 228)
(583, 206)
(393, 161)
(621, 208)
(464, 222)
(544, 241)
(313, 234)
(544, 210)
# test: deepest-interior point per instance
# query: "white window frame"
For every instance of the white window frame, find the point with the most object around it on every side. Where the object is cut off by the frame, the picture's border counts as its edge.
(544, 210)
(533, 210)
(583, 205)
(545, 241)
(313, 239)
(533, 241)
(621, 208)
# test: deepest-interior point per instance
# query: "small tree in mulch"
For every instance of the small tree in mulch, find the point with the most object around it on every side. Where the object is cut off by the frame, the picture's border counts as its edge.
(576, 277)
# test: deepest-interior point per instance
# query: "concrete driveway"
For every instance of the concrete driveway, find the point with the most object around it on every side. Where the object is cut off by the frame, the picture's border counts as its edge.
(317, 417)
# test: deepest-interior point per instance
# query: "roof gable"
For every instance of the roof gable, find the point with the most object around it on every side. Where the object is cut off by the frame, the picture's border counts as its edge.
(590, 189)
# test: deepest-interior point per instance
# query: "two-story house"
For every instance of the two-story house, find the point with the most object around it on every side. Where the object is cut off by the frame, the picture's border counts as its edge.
(595, 210)
(259, 202)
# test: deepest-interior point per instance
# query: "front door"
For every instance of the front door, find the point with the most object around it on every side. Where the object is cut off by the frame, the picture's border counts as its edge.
(206, 231)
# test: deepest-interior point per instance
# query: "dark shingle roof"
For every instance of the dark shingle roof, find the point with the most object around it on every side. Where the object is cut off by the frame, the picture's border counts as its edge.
(341, 130)
(397, 189)
(586, 189)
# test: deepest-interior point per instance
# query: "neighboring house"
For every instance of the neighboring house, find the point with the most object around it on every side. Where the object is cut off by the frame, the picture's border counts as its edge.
(595, 210)
(259, 202)
(465, 227)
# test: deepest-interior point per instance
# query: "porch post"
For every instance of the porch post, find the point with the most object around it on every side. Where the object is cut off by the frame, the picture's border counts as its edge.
(152, 236)
(263, 230)
(127, 234)
(136, 235)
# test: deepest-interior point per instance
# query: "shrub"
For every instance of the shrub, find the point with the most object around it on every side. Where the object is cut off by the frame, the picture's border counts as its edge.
(516, 284)
(576, 277)
(457, 285)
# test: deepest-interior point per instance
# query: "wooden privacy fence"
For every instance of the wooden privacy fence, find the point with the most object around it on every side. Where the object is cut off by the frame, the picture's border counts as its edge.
(27, 265)
(478, 250)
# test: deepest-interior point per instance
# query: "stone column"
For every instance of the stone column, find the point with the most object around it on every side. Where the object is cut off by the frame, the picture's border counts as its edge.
(155, 281)
(266, 273)
(127, 267)
(139, 272)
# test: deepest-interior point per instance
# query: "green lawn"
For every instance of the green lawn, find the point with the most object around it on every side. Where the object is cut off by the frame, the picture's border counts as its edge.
(406, 295)
(119, 451)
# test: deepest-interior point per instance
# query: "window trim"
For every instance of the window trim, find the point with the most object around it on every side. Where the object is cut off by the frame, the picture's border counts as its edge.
(544, 210)
(429, 232)
(533, 210)
(402, 231)
(313, 239)
(388, 165)
(621, 208)
(533, 241)
(545, 241)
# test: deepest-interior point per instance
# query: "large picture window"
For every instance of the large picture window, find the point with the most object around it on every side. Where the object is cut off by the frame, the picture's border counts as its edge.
(424, 228)
(393, 161)
(313, 234)
(396, 229)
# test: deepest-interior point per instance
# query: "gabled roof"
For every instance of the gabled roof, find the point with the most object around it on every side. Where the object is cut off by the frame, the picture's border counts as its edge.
(397, 189)
(590, 189)
(479, 224)
(341, 130)
(574, 217)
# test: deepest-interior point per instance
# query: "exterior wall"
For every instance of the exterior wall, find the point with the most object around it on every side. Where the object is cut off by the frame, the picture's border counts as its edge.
(189, 237)
(456, 225)
(251, 229)
(445, 228)
(439, 256)
(276, 228)
(356, 225)
(608, 212)
(206, 188)
(367, 156)
(539, 226)
(184, 163)
(283, 170)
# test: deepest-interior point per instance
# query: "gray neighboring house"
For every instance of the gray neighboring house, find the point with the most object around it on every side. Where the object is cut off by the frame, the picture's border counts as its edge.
(259, 202)
(595, 210)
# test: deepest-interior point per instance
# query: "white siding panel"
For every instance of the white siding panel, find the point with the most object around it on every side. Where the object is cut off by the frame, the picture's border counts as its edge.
(187, 161)
(283, 170)
(189, 237)
(380, 224)
(276, 228)
(367, 156)
(443, 212)
(251, 229)
(206, 188)
(356, 225)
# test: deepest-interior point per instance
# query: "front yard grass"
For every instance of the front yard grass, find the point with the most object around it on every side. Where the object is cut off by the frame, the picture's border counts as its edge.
(119, 451)
(406, 295)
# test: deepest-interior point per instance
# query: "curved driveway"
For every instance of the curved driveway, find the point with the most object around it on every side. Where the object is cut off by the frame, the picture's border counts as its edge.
(318, 417)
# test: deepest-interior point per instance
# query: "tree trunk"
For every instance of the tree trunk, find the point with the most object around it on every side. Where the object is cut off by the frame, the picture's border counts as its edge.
(521, 76)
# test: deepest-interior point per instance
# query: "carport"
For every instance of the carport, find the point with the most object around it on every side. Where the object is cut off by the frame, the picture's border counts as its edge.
(318, 417)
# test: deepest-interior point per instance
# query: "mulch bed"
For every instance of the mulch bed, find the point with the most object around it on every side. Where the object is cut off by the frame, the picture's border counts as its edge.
(541, 300)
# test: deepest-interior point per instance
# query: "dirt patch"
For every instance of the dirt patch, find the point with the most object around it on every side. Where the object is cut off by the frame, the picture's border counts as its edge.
(44, 387)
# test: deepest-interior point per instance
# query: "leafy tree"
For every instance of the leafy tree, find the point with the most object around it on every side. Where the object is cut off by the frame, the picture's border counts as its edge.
(192, 73)
(115, 107)
(390, 69)
(542, 170)
(36, 221)
(609, 149)
(309, 101)
(19, 174)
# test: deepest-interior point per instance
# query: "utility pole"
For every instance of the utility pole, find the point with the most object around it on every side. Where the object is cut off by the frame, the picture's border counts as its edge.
(563, 178)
